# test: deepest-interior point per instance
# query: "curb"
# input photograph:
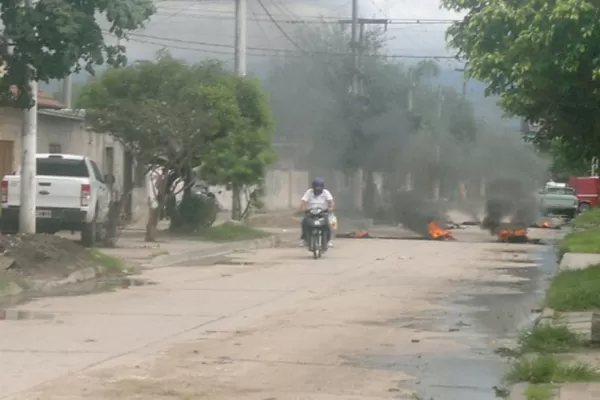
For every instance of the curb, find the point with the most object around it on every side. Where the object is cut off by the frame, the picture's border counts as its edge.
(212, 255)
(81, 275)
(47, 286)
(207, 255)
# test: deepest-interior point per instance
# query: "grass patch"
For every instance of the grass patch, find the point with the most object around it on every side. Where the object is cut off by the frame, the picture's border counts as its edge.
(577, 290)
(588, 218)
(548, 339)
(549, 369)
(587, 241)
(231, 233)
(112, 265)
(538, 392)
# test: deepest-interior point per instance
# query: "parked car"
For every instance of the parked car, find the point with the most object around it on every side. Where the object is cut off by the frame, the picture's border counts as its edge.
(71, 194)
(558, 199)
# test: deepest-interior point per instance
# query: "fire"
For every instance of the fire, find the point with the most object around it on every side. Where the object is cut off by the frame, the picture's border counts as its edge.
(546, 224)
(437, 232)
(506, 234)
(360, 234)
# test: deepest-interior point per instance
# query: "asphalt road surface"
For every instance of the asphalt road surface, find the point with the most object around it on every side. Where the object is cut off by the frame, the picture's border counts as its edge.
(373, 319)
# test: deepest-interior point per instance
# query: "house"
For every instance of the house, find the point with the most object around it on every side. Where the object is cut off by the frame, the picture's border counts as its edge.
(61, 130)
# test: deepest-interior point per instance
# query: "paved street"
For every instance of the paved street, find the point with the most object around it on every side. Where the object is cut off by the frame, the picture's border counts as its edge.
(373, 319)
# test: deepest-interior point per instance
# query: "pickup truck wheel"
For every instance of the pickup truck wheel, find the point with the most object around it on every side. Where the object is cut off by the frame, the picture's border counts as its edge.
(583, 207)
(89, 234)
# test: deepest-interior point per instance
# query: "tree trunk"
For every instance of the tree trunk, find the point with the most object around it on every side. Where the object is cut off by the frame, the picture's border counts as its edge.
(153, 216)
(236, 205)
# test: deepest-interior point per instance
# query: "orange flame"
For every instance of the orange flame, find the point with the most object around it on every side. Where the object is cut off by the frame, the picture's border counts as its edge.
(505, 234)
(360, 234)
(437, 232)
(546, 224)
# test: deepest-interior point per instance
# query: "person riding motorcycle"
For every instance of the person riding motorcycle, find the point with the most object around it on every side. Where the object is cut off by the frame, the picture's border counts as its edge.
(317, 197)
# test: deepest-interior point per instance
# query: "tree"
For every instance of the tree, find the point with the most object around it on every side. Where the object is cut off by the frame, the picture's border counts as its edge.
(542, 59)
(239, 160)
(52, 38)
(165, 109)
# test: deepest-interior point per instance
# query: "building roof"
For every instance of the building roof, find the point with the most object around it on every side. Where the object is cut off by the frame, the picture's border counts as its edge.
(77, 115)
(45, 100)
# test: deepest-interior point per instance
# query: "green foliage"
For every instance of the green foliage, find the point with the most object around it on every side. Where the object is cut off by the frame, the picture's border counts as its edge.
(56, 37)
(543, 60)
(193, 213)
(549, 369)
(165, 108)
(577, 290)
(241, 157)
(546, 339)
(586, 241)
(231, 233)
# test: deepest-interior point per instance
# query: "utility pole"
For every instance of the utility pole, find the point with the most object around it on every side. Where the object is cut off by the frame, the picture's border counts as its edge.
(438, 150)
(28, 151)
(465, 80)
(240, 70)
(357, 89)
(68, 91)
(240, 37)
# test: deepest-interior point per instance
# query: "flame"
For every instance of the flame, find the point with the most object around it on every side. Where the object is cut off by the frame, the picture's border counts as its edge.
(360, 234)
(437, 232)
(546, 224)
(505, 233)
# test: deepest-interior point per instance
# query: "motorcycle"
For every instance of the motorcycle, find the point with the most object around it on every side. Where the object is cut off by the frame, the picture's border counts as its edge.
(317, 222)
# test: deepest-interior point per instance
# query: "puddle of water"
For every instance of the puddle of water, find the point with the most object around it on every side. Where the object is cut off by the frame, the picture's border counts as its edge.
(443, 376)
(485, 316)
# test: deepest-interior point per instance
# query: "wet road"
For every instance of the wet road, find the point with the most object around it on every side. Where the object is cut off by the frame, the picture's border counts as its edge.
(372, 320)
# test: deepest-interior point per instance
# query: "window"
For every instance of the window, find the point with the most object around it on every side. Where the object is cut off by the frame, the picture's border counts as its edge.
(109, 160)
(562, 191)
(58, 166)
(54, 148)
(99, 176)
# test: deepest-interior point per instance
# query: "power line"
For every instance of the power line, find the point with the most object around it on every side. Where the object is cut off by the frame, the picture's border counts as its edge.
(316, 20)
(273, 52)
(284, 33)
(135, 36)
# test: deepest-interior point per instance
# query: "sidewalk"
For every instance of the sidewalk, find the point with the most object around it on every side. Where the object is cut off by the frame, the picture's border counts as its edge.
(169, 251)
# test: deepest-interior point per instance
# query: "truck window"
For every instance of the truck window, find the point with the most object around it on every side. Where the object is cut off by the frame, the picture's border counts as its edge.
(97, 172)
(62, 167)
(562, 191)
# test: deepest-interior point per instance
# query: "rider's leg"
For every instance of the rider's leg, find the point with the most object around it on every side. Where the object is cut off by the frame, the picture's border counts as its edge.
(303, 226)
(328, 236)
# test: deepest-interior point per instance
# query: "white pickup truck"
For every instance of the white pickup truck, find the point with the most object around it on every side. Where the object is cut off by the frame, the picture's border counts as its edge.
(71, 195)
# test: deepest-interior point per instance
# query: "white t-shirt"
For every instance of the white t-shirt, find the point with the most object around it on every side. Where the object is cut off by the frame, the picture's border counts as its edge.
(319, 201)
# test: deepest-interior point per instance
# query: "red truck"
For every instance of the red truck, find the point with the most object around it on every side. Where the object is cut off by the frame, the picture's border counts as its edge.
(587, 189)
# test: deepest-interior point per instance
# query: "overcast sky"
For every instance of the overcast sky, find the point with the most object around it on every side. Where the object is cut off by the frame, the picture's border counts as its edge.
(195, 30)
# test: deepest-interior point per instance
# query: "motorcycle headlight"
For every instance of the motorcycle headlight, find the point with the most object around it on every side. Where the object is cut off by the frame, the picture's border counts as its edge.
(317, 223)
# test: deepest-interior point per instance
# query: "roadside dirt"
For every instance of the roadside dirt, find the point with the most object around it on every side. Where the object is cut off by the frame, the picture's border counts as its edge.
(43, 256)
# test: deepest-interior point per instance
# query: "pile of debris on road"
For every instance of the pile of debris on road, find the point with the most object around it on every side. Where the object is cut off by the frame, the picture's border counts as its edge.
(43, 256)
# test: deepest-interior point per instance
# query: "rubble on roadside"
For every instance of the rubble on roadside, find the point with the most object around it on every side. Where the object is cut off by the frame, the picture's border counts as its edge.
(43, 256)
